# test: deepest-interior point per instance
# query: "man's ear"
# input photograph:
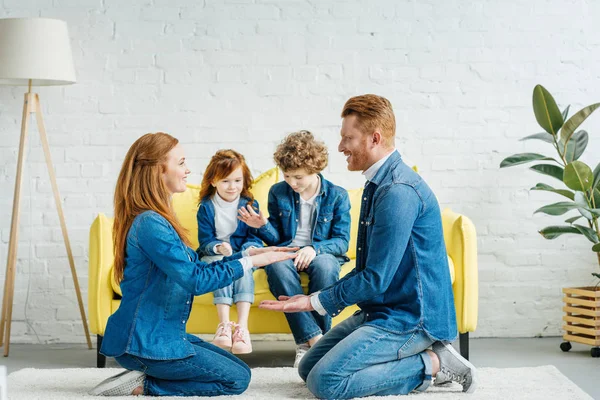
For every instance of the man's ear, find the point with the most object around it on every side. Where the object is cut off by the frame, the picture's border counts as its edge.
(376, 138)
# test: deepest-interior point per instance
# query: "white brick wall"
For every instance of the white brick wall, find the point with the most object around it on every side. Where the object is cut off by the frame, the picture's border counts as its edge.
(243, 73)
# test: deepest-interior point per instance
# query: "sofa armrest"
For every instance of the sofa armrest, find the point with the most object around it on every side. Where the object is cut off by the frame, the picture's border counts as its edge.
(461, 244)
(101, 259)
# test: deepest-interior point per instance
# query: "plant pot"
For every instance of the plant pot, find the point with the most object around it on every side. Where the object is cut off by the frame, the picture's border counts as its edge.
(582, 318)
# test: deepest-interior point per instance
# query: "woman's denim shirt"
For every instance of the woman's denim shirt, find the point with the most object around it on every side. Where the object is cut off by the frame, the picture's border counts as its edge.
(331, 230)
(161, 277)
(402, 279)
(243, 237)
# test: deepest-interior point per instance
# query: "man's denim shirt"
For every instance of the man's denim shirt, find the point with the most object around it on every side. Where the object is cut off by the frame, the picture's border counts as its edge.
(161, 277)
(331, 230)
(243, 237)
(402, 279)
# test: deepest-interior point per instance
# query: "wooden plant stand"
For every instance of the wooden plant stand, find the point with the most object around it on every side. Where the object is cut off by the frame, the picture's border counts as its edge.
(582, 318)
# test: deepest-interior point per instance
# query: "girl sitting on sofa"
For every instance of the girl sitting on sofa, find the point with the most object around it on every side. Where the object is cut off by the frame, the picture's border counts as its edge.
(226, 188)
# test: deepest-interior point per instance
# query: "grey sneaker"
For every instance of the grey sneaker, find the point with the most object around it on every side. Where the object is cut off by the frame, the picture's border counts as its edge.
(453, 367)
(300, 352)
(122, 384)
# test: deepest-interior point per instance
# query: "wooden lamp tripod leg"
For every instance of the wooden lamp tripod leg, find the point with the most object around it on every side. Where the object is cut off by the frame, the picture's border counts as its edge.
(9, 282)
(61, 216)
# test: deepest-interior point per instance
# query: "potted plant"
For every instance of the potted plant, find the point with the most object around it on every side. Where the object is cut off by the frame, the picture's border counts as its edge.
(582, 304)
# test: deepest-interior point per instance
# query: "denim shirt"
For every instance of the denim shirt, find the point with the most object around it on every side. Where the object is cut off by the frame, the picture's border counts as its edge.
(161, 277)
(331, 230)
(401, 280)
(243, 237)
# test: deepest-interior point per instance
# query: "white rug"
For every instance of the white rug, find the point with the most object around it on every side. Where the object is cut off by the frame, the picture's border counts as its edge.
(541, 383)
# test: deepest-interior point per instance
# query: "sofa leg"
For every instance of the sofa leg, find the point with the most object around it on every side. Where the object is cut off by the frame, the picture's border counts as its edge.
(100, 358)
(464, 344)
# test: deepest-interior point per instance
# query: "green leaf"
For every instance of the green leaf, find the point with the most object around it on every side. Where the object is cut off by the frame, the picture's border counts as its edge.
(596, 275)
(576, 120)
(565, 113)
(578, 176)
(588, 233)
(596, 176)
(544, 136)
(596, 198)
(552, 232)
(596, 248)
(572, 219)
(584, 206)
(550, 170)
(595, 211)
(548, 188)
(546, 112)
(522, 158)
(576, 146)
(557, 208)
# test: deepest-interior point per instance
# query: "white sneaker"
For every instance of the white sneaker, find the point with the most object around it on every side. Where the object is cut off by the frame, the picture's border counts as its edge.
(122, 384)
(453, 367)
(300, 352)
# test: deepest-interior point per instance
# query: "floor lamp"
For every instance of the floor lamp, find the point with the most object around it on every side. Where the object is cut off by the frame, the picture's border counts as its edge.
(34, 52)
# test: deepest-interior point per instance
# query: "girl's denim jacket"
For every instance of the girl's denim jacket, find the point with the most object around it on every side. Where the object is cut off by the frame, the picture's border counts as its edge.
(243, 237)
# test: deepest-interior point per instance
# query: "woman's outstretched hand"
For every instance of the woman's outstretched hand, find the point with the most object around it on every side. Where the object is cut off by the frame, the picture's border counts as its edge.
(253, 251)
(269, 257)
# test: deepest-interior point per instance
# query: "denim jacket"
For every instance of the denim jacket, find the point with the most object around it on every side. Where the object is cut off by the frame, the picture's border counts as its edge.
(161, 277)
(331, 231)
(243, 237)
(401, 280)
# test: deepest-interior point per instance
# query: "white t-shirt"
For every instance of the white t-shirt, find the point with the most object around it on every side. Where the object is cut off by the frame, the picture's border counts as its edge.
(306, 221)
(226, 221)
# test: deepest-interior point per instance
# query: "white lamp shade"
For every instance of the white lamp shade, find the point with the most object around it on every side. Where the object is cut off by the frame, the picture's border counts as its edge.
(36, 49)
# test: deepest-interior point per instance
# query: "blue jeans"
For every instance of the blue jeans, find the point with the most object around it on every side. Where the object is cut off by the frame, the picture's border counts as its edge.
(240, 290)
(357, 360)
(284, 280)
(210, 372)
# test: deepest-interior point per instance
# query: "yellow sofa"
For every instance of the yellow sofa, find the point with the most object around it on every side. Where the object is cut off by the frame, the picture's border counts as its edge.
(104, 293)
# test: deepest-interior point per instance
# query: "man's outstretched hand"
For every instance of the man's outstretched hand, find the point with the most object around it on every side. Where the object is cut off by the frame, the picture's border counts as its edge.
(297, 303)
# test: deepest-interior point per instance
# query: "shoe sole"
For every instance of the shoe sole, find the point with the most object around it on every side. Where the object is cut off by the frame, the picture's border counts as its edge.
(241, 352)
(471, 367)
(113, 382)
(222, 346)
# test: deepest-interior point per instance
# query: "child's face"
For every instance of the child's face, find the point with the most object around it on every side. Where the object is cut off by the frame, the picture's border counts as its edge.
(230, 187)
(299, 180)
(176, 172)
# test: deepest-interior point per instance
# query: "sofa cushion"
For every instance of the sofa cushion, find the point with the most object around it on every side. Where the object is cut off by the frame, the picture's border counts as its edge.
(261, 185)
(355, 196)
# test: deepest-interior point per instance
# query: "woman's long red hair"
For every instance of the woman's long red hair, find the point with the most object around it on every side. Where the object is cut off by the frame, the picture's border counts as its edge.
(140, 187)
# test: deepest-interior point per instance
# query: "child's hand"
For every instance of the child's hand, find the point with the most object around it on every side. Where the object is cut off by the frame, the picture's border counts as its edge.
(305, 257)
(224, 249)
(251, 218)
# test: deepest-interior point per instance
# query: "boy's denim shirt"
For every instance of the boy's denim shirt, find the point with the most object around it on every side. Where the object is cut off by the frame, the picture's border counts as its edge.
(402, 279)
(243, 237)
(161, 277)
(331, 230)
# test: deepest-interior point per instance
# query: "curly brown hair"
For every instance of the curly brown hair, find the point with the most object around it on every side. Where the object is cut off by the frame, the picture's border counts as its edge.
(300, 150)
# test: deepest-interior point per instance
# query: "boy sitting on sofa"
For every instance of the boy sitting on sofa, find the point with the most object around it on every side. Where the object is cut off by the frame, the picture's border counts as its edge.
(309, 212)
